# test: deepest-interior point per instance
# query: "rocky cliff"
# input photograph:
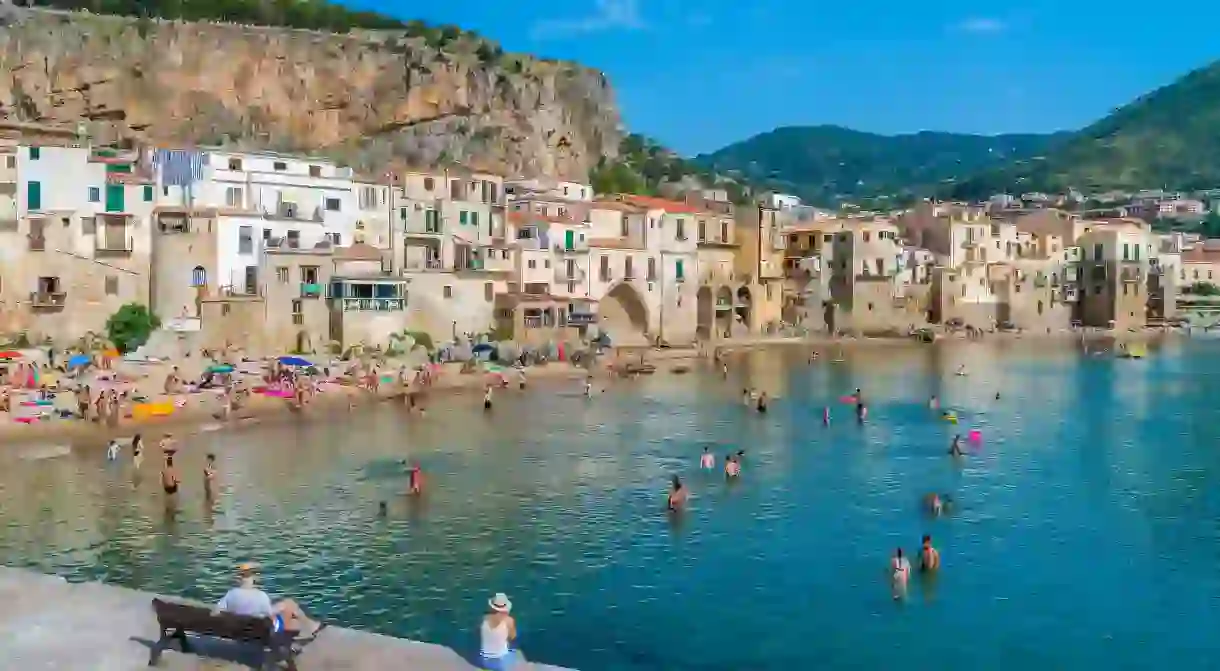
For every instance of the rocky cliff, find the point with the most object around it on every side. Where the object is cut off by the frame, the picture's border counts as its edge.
(368, 98)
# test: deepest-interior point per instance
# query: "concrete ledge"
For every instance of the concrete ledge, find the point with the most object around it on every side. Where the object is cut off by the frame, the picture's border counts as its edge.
(47, 622)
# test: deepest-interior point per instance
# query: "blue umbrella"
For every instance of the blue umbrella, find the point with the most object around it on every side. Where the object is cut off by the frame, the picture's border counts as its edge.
(294, 361)
(79, 360)
(482, 347)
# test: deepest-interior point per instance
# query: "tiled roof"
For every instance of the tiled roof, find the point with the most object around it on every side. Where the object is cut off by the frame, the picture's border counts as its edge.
(1201, 254)
(617, 206)
(358, 252)
(613, 243)
(653, 203)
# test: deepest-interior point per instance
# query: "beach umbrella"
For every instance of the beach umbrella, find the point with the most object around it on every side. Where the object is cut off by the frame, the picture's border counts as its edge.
(220, 368)
(482, 347)
(10, 354)
(294, 361)
(79, 360)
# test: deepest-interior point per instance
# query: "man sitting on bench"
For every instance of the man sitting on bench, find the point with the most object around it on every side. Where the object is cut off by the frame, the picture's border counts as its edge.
(246, 599)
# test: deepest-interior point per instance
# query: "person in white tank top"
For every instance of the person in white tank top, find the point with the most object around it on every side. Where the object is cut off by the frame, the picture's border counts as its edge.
(497, 633)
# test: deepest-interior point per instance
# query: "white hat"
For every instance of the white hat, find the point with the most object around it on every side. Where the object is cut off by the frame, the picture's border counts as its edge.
(500, 603)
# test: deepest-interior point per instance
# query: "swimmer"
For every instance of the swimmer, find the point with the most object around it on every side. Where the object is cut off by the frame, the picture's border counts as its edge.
(169, 477)
(934, 402)
(936, 504)
(487, 398)
(961, 370)
(724, 370)
(589, 387)
(706, 460)
(826, 416)
(732, 469)
(137, 450)
(900, 574)
(209, 476)
(929, 558)
(746, 396)
(112, 450)
(677, 497)
(997, 396)
(521, 379)
(861, 413)
(955, 448)
(762, 402)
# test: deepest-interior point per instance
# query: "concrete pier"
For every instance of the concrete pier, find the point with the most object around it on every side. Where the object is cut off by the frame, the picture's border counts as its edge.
(47, 622)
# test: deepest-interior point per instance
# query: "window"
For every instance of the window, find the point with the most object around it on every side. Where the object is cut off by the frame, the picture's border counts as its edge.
(315, 171)
(603, 270)
(402, 213)
(680, 233)
(10, 162)
(279, 166)
(112, 285)
(724, 231)
(679, 270)
(652, 269)
(432, 221)
(429, 184)
(266, 234)
(332, 204)
(624, 229)
(489, 291)
(447, 291)
(455, 190)
(335, 239)
(628, 270)
(233, 197)
(235, 164)
(281, 274)
(245, 240)
(702, 230)
(35, 153)
(462, 217)
(532, 264)
(199, 277)
(148, 193)
(33, 195)
(95, 194)
(368, 197)
(224, 309)
(769, 288)
(474, 218)
(294, 239)
(1097, 252)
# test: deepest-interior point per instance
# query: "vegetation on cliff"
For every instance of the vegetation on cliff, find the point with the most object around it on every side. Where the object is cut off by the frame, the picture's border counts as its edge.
(643, 166)
(1165, 139)
(825, 165)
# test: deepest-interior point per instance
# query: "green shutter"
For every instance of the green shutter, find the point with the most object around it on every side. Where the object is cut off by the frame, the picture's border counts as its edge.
(35, 153)
(33, 196)
(474, 218)
(569, 241)
(678, 269)
(114, 198)
(462, 217)
(148, 194)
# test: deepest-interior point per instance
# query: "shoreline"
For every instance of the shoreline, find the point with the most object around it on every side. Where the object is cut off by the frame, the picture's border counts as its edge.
(263, 410)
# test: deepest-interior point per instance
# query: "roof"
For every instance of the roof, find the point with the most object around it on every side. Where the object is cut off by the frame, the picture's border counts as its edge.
(358, 252)
(654, 203)
(519, 217)
(1201, 254)
(613, 243)
(617, 206)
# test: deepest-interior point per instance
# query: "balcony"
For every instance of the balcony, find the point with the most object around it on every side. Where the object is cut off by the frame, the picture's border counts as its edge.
(577, 247)
(107, 245)
(48, 300)
(415, 227)
(311, 290)
(424, 265)
(716, 277)
(1131, 275)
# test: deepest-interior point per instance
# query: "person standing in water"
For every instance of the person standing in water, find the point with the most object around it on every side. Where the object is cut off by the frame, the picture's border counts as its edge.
(677, 495)
(589, 387)
(169, 476)
(706, 461)
(415, 480)
(487, 398)
(732, 468)
(955, 448)
(929, 558)
(900, 574)
(137, 451)
(209, 477)
(762, 402)
(826, 416)
(934, 402)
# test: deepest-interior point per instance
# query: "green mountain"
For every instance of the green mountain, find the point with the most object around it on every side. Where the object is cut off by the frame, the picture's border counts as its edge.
(1169, 138)
(825, 165)
(642, 166)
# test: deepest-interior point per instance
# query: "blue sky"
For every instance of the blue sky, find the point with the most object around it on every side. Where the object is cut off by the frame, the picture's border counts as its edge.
(700, 75)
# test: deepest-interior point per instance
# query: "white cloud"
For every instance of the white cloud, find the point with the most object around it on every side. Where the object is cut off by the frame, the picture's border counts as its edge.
(981, 25)
(607, 15)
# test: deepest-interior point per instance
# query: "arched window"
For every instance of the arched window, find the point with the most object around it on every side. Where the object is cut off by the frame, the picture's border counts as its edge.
(199, 277)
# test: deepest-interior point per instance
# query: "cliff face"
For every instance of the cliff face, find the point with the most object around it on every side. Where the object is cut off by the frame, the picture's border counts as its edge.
(371, 99)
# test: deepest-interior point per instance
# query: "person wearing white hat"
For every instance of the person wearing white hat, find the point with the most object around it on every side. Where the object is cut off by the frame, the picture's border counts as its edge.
(497, 633)
(247, 599)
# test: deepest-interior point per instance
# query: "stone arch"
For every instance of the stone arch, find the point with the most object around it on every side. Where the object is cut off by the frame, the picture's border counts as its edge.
(624, 314)
(724, 311)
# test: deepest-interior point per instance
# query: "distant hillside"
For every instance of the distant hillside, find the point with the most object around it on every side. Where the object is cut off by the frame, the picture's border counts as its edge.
(642, 166)
(829, 164)
(1169, 138)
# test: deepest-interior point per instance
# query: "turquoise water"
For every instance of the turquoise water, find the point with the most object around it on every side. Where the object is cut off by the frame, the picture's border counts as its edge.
(1086, 535)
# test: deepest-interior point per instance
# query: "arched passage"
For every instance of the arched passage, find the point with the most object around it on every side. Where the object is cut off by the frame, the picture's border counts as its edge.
(744, 307)
(624, 315)
(724, 312)
(706, 313)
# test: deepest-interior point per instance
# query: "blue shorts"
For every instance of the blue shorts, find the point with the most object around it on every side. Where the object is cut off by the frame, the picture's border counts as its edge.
(277, 623)
(504, 663)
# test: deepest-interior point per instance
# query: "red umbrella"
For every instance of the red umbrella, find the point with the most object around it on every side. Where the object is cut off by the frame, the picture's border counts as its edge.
(10, 354)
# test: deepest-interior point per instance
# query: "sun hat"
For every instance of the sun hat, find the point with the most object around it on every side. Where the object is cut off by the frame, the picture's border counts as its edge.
(500, 603)
(247, 568)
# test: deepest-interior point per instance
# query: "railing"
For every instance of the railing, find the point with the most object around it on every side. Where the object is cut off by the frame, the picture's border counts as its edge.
(430, 264)
(374, 304)
(413, 227)
(106, 245)
(563, 275)
(311, 290)
(48, 299)
(1131, 275)
(577, 247)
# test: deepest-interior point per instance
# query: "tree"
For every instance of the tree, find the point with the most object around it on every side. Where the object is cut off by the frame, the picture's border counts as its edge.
(130, 326)
(1203, 289)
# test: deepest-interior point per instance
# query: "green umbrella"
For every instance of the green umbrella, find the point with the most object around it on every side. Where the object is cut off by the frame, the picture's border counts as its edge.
(220, 368)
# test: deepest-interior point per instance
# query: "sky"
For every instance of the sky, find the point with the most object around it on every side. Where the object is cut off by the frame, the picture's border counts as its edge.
(700, 75)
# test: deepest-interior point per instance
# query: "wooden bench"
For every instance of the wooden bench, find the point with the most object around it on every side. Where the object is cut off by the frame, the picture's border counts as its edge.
(177, 619)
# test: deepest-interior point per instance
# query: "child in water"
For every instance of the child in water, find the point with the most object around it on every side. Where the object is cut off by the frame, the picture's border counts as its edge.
(707, 461)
